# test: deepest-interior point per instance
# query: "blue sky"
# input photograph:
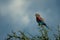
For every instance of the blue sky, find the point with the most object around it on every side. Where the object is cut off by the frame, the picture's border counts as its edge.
(20, 15)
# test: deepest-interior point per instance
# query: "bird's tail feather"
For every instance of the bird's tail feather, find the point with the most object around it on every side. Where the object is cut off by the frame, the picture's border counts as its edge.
(48, 28)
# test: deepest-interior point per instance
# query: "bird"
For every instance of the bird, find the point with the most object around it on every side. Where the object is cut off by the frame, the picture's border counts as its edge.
(40, 20)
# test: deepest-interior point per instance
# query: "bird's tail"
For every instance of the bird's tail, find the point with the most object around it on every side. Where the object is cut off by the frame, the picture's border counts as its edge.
(47, 27)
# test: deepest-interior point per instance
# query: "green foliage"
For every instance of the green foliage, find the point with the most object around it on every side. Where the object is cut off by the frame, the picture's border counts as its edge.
(42, 36)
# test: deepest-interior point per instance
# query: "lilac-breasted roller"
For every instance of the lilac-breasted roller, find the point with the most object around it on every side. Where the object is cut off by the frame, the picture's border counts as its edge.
(40, 20)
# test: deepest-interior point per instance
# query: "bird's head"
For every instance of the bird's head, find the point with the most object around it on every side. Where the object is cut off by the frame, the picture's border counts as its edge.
(37, 14)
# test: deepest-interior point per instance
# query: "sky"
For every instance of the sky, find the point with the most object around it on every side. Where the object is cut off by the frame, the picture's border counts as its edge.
(20, 15)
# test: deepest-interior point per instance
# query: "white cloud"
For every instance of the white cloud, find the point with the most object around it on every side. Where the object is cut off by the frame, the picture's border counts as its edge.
(18, 9)
(25, 19)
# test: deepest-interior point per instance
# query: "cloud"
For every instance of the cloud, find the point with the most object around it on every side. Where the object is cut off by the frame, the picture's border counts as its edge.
(25, 20)
(17, 10)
